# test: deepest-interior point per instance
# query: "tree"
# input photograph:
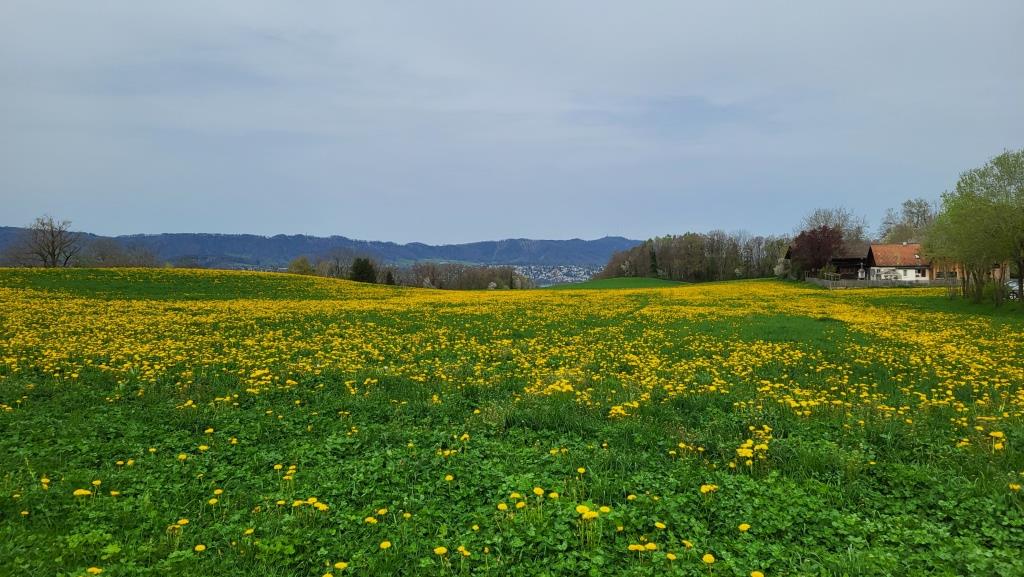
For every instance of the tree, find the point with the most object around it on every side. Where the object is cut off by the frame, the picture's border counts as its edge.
(108, 252)
(301, 265)
(981, 224)
(389, 278)
(46, 242)
(813, 248)
(363, 270)
(852, 227)
(336, 263)
(909, 224)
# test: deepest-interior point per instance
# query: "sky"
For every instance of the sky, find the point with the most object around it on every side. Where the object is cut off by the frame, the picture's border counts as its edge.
(446, 122)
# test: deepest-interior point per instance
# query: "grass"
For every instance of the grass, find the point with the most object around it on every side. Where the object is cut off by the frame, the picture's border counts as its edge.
(616, 283)
(859, 432)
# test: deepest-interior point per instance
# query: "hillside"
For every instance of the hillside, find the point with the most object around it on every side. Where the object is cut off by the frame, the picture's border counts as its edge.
(269, 252)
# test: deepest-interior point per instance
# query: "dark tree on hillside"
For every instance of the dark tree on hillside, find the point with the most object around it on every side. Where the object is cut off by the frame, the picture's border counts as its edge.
(389, 278)
(363, 270)
(813, 248)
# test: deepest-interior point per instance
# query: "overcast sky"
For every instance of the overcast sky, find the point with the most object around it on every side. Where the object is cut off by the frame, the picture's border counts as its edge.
(458, 121)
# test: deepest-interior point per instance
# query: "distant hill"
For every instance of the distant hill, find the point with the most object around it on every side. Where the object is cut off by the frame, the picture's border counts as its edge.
(254, 251)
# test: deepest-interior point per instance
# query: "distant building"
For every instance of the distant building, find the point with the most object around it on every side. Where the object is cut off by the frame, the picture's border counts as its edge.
(899, 262)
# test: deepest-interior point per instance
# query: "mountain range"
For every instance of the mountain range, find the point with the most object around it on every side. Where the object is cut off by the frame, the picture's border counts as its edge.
(271, 252)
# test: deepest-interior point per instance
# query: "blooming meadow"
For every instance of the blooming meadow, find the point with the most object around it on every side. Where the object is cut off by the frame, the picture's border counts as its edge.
(160, 422)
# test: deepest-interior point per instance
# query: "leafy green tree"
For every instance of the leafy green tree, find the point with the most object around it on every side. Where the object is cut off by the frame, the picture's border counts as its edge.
(981, 224)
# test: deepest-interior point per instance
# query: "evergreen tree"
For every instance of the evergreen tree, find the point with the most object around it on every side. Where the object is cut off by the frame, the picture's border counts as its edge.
(363, 270)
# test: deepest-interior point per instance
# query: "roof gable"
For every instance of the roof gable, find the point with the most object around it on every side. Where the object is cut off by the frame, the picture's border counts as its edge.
(908, 254)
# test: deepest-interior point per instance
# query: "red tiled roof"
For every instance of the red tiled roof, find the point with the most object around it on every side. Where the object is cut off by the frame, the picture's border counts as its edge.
(898, 255)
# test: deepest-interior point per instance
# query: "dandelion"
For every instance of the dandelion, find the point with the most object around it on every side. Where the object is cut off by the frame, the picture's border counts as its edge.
(581, 470)
(82, 493)
(385, 544)
(651, 546)
(520, 504)
(538, 491)
(94, 570)
(744, 527)
(182, 457)
(212, 501)
(502, 507)
(200, 548)
(97, 483)
(659, 524)
(756, 574)
(708, 558)
(248, 531)
(670, 556)
(182, 522)
(370, 520)
(1015, 487)
(553, 495)
(440, 550)
(449, 478)
(341, 565)
(708, 488)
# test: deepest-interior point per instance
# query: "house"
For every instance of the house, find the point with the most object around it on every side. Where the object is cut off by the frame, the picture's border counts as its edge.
(899, 262)
(852, 261)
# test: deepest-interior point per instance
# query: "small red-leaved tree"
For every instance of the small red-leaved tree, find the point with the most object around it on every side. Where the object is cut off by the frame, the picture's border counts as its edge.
(813, 248)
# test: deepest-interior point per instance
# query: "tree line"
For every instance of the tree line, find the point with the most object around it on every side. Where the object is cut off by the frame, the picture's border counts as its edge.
(696, 257)
(454, 276)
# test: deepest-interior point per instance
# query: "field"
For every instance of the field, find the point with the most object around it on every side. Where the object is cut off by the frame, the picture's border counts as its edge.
(213, 423)
(616, 283)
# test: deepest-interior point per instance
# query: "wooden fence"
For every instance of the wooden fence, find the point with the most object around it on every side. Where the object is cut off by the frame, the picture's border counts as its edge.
(867, 283)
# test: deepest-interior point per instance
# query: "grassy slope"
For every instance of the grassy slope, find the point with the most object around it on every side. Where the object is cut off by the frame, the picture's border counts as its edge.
(617, 283)
(834, 498)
